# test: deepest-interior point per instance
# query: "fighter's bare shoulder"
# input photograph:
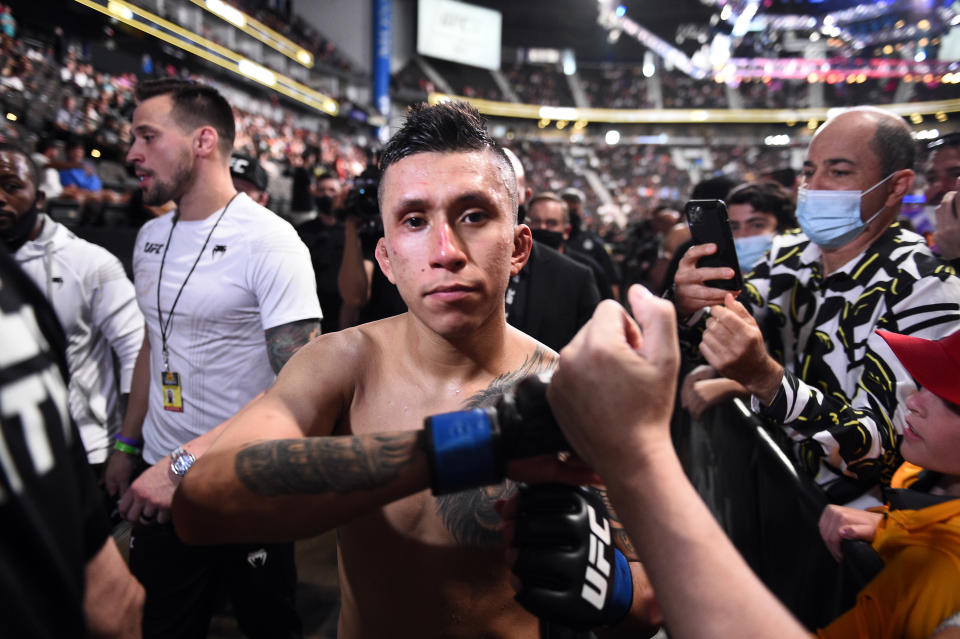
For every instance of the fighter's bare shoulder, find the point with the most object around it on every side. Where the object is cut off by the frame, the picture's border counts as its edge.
(324, 375)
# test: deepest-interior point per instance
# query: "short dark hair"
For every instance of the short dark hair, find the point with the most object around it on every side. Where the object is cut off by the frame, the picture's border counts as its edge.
(950, 140)
(766, 197)
(195, 105)
(713, 188)
(550, 196)
(10, 147)
(893, 145)
(447, 127)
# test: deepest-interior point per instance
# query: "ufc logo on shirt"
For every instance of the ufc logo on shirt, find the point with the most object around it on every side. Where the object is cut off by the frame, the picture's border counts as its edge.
(152, 247)
(594, 589)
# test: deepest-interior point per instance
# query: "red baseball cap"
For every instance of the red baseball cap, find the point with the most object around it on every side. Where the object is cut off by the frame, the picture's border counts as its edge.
(935, 364)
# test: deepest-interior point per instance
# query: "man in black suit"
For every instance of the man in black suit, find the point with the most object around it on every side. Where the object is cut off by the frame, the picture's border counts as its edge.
(553, 295)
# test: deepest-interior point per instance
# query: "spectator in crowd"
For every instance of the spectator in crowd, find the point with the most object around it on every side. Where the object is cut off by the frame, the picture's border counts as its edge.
(646, 255)
(584, 240)
(63, 575)
(451, 243)
(249, 178)
(551, 297)
(324, 237)
(942, 176)
(613, 394)
(367, 293)
(302, 206)
(93, 300)
(549, 220)
(46, 159)
(808, 354)
(237, 280)
(942, 169)
(80, 182)
(757, 211)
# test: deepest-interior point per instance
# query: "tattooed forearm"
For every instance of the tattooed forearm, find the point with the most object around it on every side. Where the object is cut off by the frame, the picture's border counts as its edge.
(325, 464)
(620, 537)
(285, 340)
(541, 360)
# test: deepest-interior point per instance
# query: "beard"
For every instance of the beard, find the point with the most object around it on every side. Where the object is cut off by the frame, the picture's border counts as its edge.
(173, 189)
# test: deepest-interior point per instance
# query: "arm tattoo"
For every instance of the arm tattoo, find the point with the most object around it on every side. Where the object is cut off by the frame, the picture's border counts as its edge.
(620, 537)
(285, 340)
(318, 465)
(469, 515)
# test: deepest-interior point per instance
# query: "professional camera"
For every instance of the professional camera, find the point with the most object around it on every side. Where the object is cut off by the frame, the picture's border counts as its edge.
(361, 202)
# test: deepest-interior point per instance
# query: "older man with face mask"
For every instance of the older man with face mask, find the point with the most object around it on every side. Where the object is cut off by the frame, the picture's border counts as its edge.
(802, 341)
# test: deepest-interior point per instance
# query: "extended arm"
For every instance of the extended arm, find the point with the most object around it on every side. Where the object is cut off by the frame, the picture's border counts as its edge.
(613, 395)
(355, 278)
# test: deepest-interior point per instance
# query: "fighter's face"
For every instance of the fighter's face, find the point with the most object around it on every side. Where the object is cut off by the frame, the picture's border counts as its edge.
(18, 189)
(450, 243)
(161, 152)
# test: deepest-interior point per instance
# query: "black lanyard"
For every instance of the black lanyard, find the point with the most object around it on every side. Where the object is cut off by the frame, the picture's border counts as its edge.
(165, 327)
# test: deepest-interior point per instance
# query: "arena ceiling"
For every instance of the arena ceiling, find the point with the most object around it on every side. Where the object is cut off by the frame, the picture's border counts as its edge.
(573, 23)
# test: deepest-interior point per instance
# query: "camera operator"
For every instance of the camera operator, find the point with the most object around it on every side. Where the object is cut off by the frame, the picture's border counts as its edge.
(324, 237)
(366, 292)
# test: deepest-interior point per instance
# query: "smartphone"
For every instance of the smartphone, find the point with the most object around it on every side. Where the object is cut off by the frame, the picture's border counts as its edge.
(708, 223)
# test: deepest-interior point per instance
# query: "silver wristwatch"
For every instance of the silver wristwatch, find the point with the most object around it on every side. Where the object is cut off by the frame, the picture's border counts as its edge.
(181, 461)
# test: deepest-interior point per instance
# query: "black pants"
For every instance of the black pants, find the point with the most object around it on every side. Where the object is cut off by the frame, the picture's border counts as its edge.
(182, 583)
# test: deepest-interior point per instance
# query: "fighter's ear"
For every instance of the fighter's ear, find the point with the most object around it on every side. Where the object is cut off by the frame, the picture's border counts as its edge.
(522, 244)
(383, 259)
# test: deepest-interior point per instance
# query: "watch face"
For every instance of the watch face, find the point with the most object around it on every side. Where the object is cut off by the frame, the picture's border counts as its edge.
(182, 462)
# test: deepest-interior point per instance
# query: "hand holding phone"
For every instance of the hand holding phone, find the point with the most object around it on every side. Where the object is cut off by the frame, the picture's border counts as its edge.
(709, 223)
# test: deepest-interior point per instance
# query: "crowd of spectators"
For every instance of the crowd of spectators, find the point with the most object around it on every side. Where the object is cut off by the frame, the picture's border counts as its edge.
(615, 87)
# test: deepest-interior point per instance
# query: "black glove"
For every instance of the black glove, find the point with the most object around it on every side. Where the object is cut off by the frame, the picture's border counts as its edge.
(569, 571)
(467, 449)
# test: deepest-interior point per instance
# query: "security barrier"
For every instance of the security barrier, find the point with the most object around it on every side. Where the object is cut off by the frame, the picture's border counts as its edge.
(768, 512)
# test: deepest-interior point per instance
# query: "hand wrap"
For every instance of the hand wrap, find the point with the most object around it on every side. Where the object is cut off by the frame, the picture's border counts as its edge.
(467, 449)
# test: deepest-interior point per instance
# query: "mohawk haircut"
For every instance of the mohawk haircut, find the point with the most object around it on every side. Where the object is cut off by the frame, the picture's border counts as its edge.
(195, 105)
(448, 127)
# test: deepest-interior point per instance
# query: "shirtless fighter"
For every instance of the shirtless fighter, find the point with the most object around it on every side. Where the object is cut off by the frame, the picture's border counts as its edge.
(338, 441)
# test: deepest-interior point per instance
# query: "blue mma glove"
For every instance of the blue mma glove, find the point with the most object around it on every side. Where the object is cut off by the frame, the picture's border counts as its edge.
(466, 449)
(569, 571)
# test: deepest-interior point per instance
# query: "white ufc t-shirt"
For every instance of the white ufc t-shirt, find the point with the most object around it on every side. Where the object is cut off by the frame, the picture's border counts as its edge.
(254, 274)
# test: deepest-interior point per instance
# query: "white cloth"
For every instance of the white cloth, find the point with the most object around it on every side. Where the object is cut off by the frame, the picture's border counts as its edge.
(254, 274)
(96, 305)
(50, 182)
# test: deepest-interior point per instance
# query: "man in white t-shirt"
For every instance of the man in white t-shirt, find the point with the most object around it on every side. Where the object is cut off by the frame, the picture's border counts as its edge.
(91, 295)
(228, 295)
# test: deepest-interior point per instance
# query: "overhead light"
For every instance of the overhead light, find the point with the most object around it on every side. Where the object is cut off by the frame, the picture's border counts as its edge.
(257, 72)
(226, 12)
(119, 9)
(304, 57)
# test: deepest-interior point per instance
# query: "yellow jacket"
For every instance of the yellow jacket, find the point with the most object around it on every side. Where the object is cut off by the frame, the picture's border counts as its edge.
(920, 585)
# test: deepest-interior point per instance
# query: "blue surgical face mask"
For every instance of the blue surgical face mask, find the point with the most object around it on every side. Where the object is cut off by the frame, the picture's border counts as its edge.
(831, 219)
(751, 249)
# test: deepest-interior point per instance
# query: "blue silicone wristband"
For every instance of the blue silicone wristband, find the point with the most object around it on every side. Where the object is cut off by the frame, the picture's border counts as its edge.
(461, 449)
(622, 596)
